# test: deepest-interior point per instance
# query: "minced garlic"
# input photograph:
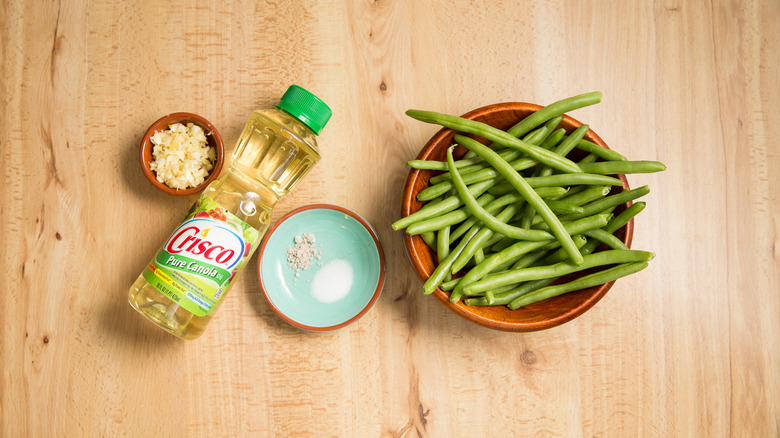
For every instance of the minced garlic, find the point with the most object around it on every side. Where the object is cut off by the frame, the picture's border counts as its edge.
(300, 255)
(182, 157)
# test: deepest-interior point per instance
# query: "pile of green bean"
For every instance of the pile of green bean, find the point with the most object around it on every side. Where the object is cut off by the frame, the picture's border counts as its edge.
(510, 220)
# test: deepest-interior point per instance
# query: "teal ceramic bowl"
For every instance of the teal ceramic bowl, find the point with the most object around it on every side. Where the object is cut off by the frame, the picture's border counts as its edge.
(346, 274)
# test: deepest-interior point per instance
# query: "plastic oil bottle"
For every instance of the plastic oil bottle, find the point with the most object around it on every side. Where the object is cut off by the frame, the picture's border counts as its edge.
(183, 285)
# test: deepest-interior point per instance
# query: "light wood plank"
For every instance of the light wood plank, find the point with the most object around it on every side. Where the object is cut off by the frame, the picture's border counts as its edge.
(688, 347)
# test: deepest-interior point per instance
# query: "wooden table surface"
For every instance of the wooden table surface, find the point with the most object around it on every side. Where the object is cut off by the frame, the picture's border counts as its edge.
(688, 347)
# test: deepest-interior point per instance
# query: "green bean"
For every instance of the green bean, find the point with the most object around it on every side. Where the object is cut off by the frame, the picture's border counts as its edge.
(510, 261)
(445, 183)
(586, 196)
(572, 140)
(543, 226)
(615, 224)
(529, 213)
(535, 137)
(609, 257)
(470, 155)
(498, 292)
(478, 212)
(502, 244)
(564, 148)
(607, 238)
(591, 280)
(554, 109)
(445, 178)
(519, 248)
(563, 207)
(479, 301)
(601, 152)
(435, 201)
(503, 289)
(495, 238)
(490, 263)
(481, 170)
(435, 190)
(461, 214)
(509, 154)
(496, 135)
(542, 171)
(569, 191)
(608, 202)
(479, 255)
(618, 221)
(449, 285)
(466, 170)
(447, 219)
(443, 243)
(505, 294)
(605, 204)
(550, 192)
(445, 206)
(527, 216)
(472, 178)
(561, 255)
(464, 227)
(519, 183)
(590, 158)
(531, 258)
(433, 164)
(573, 179)
(553, 139)
(507, 297)
(443, 269)
(560, 181)
(491, 207)
(552, 124)
(430, 239)
(479, 240)
(621, 219)
(625, 167)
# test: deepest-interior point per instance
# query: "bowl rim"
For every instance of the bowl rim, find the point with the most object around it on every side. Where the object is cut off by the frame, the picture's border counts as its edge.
(146, 151)
(377, 244)
(411, 243)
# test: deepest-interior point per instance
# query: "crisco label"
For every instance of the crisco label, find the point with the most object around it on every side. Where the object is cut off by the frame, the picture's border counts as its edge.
(208, 241)
(201, 257)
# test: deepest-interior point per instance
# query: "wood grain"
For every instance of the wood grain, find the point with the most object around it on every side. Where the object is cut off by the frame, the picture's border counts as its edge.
(688, 347)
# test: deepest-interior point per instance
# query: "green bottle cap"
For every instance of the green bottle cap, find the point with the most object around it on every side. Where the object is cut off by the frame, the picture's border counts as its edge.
(305, 107)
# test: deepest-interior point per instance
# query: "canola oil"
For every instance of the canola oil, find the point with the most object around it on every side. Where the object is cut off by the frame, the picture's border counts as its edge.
(183, 286)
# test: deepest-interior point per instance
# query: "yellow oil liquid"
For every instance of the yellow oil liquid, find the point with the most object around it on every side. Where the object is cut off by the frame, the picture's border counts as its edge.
(275, 149)
(272, 154)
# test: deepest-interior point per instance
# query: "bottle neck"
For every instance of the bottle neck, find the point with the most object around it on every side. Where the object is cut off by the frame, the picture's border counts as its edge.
(300, 122)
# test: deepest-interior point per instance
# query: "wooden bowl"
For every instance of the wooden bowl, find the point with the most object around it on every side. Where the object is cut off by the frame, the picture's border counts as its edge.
(538, 316)
(212, 136)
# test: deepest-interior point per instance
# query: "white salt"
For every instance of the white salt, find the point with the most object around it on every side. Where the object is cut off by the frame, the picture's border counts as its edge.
(332, 282)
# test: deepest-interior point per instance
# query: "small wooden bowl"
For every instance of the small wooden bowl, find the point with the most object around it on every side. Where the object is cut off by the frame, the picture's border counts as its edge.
(212, 135)
(538, 316)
